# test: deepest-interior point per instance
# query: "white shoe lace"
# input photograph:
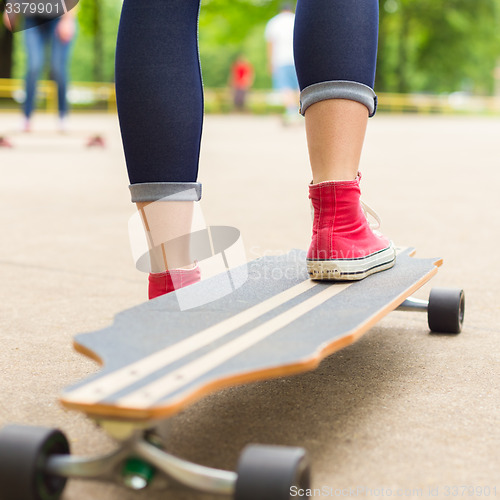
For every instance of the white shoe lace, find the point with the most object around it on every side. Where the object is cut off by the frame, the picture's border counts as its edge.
(369, 211)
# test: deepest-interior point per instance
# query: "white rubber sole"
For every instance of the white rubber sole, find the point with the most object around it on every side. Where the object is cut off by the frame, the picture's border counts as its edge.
(352, 269)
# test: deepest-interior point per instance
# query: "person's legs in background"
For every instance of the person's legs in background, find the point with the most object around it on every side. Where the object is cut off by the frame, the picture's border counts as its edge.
(160, 107)
(36, 41)
(335, 46)
(59, 62)
(285, 80)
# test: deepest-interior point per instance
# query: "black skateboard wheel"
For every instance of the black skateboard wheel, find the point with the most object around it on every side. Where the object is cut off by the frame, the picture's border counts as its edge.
(446, 310)
(272, 473)
(23, 454)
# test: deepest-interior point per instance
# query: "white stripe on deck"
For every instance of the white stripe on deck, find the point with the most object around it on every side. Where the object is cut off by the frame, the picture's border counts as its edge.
(153, 392)
(106, 385)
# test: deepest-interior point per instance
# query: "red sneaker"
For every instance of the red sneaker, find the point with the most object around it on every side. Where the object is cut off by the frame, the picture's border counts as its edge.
(344, 246)
(162, 283)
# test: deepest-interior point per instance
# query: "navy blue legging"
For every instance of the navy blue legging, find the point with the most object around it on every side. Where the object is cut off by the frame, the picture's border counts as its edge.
(158, 78)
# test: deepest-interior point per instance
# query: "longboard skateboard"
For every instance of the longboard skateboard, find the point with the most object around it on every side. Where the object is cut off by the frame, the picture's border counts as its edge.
(158, 357)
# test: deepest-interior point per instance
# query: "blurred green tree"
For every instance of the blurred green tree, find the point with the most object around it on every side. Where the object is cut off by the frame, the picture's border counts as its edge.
(438, 45)
(424, 45)
(94, 51)
(228, 28)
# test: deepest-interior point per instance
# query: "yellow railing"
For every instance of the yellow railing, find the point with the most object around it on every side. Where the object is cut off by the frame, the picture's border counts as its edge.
(446, 103)
(89, 93)
(92, 94)
(219, 99)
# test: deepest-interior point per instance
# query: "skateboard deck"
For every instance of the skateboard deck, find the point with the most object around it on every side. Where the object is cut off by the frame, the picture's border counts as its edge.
(157, 359)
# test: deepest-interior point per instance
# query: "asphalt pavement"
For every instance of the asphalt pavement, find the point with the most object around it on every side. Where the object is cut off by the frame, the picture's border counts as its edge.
(401, 413)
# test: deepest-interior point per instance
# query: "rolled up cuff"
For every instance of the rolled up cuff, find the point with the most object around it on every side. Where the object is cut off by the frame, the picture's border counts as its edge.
(167, 191)
(338, 89)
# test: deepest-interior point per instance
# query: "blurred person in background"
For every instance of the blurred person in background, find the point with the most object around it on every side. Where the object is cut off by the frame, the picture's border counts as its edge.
(45, 30)
(241, 80)
(279, 37)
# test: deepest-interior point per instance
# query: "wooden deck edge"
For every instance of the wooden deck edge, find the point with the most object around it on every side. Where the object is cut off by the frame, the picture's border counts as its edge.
(140, 415)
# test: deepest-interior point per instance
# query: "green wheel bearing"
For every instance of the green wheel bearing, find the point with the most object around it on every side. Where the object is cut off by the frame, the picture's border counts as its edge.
(137, 473)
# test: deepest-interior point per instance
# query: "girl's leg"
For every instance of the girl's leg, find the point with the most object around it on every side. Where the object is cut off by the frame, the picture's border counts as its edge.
(335, 45)
(159, 94)
(160, 107)
(335, 55)
(335, 132)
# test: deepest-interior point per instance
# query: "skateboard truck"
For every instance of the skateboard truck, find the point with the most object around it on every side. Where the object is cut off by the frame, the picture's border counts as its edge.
(445, 309)
(40, 464)
(143, 452)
